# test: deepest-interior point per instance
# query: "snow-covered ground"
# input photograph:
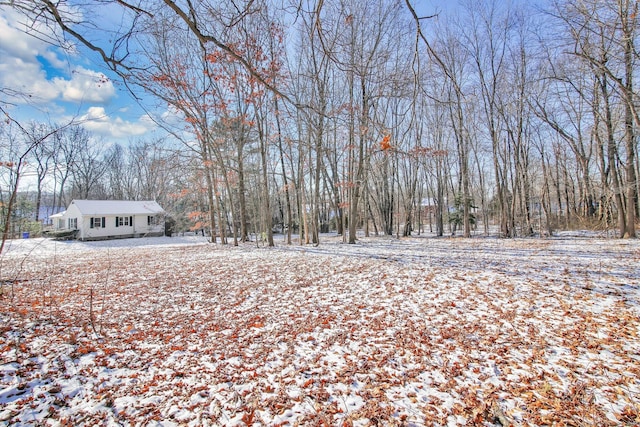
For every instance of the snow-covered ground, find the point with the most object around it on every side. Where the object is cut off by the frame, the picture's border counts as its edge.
(411, 332)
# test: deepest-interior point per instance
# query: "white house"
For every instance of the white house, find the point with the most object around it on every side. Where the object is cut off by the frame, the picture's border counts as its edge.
(109, 219)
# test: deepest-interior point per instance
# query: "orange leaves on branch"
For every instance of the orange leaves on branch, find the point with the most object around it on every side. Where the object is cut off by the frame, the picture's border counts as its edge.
(171, 83)
(160, 78)
(180, 194)
(199, 225)
(385, 144)
(215, 56)
(199, 220)
(195, 215)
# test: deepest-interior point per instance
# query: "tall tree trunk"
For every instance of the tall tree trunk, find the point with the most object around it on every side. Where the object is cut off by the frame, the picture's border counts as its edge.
(242, 201)
(545, 198)
(211, 182)
(457, 117)
(628, 29)
(317, 174)
(359, 172)
(612, 155)
(266, 205)
(220, 211)
(285, 181)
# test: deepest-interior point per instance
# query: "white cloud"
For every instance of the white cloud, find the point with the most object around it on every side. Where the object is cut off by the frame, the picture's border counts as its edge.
(97, 120)
(55, 60)
(26, 60)
(20, 70)
(48, 79)
(85, 86)
(172, 117)
(15, 42)
(27, 78)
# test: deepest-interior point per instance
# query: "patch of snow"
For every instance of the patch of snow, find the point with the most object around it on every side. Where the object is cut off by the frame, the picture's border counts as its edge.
(414, 331)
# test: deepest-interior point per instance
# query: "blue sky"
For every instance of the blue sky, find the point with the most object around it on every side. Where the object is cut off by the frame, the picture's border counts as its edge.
(62, 85)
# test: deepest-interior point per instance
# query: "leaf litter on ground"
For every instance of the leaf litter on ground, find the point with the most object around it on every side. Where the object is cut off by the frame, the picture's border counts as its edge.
(411, 332)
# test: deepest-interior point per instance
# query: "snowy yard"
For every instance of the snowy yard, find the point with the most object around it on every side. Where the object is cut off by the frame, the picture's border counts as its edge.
(408, 332)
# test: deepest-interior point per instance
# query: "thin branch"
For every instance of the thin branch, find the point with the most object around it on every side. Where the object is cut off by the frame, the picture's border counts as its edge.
(109, 60)
(207, 38)
(431, 50)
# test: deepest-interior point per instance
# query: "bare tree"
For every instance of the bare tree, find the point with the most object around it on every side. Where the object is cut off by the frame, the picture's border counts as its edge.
(486, 37)
(43, 156)
(449, 56)
(603, 35)
(88, 170)
(17, 144)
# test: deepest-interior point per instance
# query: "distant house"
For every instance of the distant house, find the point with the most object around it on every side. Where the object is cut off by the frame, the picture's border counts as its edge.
(109, 219)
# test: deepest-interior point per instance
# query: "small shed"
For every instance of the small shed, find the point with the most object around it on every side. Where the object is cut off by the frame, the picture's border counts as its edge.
(109, 219)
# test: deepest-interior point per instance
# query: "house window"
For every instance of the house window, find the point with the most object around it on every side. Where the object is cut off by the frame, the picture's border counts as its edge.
(72, 223)
(153, 220)
(124, 221)
(97, 222)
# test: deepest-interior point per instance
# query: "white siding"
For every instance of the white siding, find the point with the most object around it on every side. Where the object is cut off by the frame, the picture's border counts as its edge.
(142, 226)
(137, 214)
(137, 227)
(71, 213)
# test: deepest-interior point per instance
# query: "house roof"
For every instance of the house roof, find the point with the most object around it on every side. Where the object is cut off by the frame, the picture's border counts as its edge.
(117, 207)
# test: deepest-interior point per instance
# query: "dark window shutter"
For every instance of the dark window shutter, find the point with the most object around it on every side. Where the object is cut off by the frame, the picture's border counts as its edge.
(104, 223)
(130, 221)
(91, 222)
(148, 220)
(117, 222)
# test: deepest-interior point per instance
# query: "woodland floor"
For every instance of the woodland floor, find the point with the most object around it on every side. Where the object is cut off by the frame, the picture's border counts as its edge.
(408, 332)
